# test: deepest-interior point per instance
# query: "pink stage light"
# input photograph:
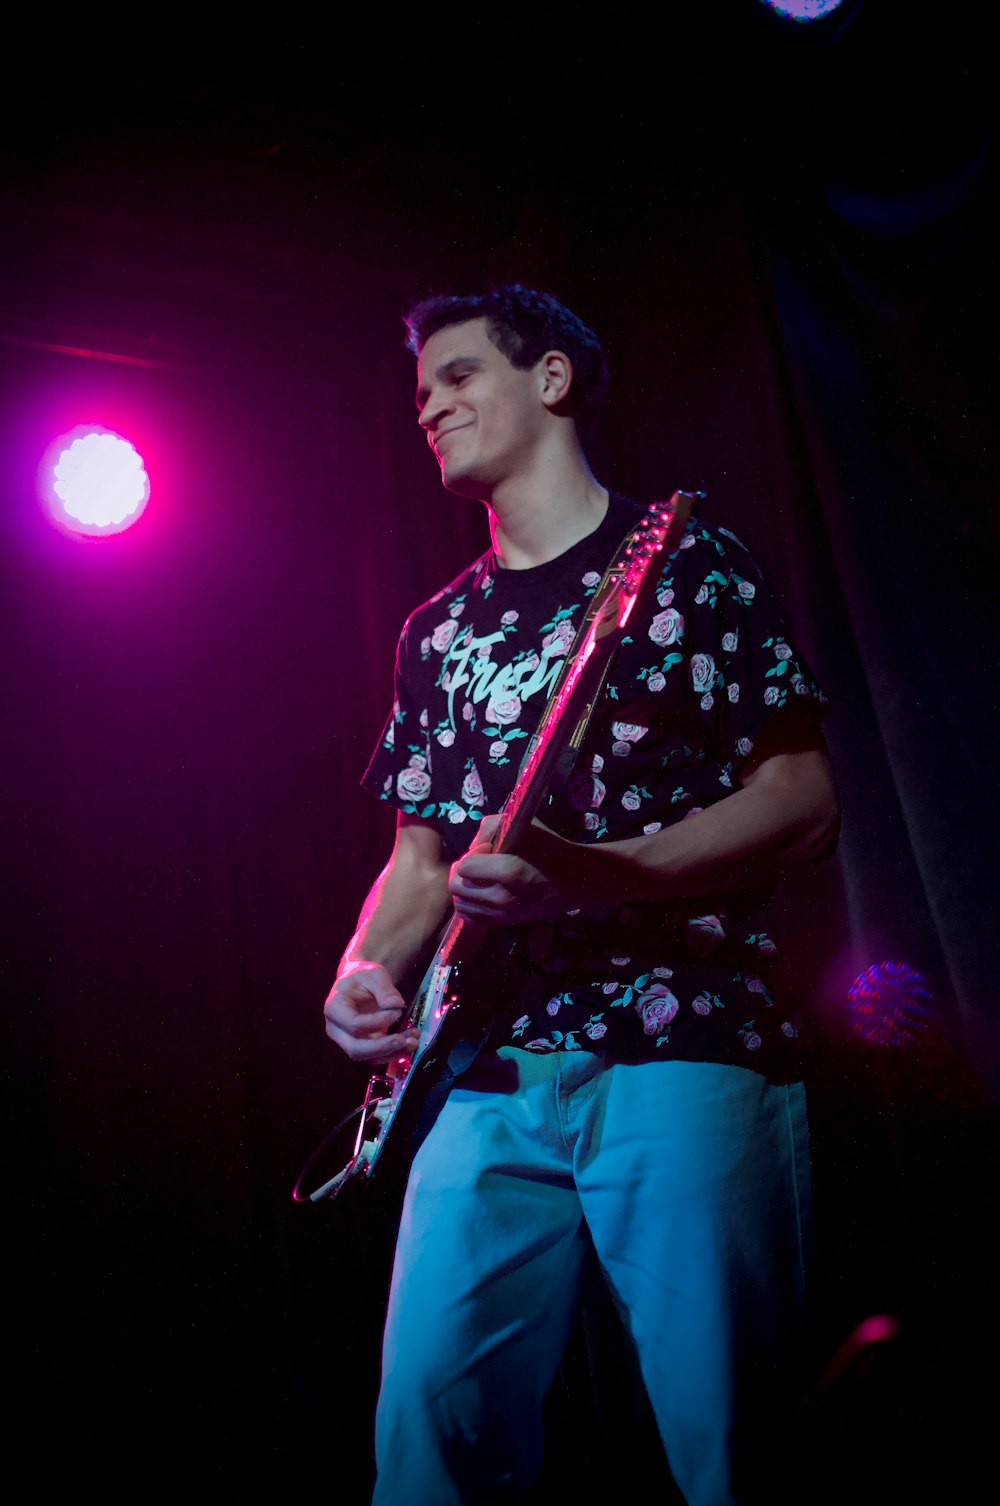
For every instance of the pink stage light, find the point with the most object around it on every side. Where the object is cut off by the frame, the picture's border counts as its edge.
(94, 482)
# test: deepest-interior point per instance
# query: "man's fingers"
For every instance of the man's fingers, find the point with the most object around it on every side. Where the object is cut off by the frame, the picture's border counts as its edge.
(489, 868)
(365, 1022)
(382, 990)
(485, 834)
(374, 1052)
(362, 1013)
(366, 990)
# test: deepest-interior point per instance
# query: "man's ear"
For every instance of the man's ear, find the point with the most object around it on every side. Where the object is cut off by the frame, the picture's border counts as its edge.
(556, 372)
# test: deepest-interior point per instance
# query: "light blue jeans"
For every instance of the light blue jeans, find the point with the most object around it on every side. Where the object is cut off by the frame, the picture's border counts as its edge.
(692, 1183)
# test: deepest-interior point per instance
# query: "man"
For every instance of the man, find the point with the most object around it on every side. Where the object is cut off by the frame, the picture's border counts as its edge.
(639, 1096)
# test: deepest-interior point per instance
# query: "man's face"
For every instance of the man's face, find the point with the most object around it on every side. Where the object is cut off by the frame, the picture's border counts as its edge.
(483, 417)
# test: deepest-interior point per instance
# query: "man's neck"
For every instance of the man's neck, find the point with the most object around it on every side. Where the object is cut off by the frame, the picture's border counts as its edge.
(534, 520)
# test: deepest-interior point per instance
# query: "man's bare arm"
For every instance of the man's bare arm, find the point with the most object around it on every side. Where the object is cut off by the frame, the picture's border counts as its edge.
(407, 905)
(785, 812)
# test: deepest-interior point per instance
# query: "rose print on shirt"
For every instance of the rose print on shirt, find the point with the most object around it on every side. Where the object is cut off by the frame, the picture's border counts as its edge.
(413, 784)
(666, 627)
(708, 591)
(560, 639)
(705, 933)
(503, 710)
(443, 634)
(750, 1036)
(702, 672)
(472, 784)
(655, 675)
(634, 796)
(656, 1007)
(586, 791)
(628, 732)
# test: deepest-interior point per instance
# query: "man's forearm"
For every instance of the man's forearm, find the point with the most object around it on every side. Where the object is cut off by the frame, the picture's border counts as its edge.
(405, 909)
(786, 813)
(406, 905)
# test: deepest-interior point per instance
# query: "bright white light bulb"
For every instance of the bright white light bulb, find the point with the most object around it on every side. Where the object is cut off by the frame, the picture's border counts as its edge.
(99, 483)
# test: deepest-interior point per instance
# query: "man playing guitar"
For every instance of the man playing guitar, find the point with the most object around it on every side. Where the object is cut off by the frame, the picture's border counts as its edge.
(640, 1095)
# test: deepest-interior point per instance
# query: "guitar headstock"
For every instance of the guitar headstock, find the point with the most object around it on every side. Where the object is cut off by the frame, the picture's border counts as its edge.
(657, 532)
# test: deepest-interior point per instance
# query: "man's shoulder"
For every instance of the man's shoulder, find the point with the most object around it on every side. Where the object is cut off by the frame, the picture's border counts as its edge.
(716, 547)
(474, 578)
(713, 536)
(700, 535)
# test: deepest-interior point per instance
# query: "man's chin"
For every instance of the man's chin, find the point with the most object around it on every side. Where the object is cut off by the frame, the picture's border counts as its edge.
(462, 482)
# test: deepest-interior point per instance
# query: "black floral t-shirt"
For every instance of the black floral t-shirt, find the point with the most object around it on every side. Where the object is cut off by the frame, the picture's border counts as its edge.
(700, 675)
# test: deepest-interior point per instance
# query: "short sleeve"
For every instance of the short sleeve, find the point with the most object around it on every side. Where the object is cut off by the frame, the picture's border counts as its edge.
(746, 677)
(401, 768)
(422, 766)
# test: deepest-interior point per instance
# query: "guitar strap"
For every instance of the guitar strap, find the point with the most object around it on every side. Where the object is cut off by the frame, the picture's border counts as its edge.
(460, 1059)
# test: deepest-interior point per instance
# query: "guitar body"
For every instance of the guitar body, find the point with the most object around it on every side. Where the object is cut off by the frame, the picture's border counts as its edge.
(406, 1098)
(451, 1018)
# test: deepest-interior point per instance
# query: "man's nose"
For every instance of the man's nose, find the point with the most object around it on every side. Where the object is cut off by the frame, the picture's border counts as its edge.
(433, 411)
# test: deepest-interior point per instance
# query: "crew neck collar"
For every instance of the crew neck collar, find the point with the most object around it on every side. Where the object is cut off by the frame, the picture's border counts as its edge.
(601, 540)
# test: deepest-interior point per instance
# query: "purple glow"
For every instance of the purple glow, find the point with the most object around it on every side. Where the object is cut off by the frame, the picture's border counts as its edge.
(94, 482)
(889, 1004)
(802, 10)
(880, 1328)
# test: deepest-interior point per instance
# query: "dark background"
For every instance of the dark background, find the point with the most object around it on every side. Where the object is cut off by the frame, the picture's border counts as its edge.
(785, 237)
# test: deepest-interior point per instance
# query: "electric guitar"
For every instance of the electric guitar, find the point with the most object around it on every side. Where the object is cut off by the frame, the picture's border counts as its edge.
(396, 1101)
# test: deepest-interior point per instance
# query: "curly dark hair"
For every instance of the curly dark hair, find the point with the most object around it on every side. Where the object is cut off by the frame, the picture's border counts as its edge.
(523, 323)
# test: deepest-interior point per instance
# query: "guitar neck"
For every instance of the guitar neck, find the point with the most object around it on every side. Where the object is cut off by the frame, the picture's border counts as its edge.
(567, 714)
(582, 679)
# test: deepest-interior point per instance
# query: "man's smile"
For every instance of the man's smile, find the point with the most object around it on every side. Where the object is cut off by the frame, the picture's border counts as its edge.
(443, 434)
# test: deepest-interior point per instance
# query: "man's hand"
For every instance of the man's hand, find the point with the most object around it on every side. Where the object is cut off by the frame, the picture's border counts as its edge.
(407, 904)
(360, 1010)
(502, 888)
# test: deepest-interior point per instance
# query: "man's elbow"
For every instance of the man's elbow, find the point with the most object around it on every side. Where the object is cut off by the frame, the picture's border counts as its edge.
(803, 795)
(821, 826)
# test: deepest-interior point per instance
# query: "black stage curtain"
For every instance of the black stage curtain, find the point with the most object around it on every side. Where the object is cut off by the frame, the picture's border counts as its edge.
(788, 250)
